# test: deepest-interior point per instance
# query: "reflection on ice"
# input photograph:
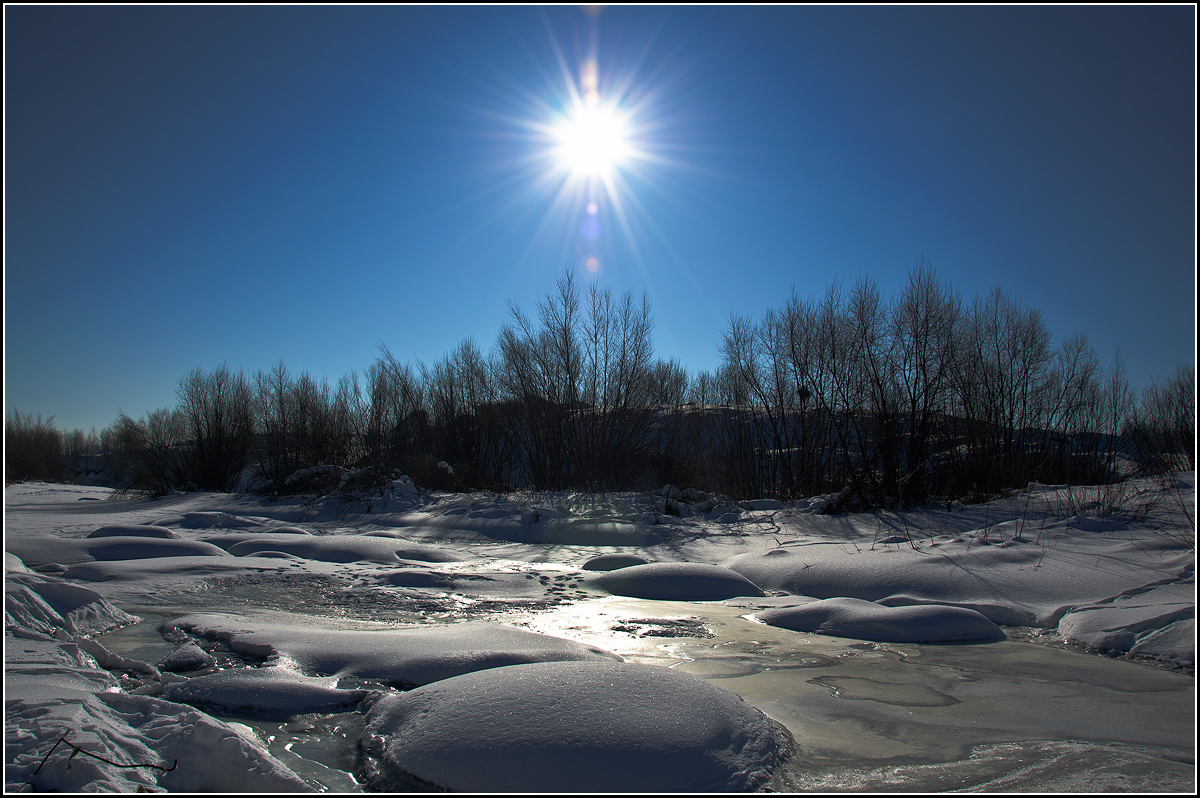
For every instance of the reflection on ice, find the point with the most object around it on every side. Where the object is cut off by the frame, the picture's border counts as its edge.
(911, 717)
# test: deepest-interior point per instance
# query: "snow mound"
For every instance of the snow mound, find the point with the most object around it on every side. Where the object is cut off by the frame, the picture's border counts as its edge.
(1127, 622)
(38, 550)
(139, 548)
(412, 577)
(50, 670)
(866, 620)
(1012, 581)
(343, 548)
(134, 531)
(611, 562)
(399, 657)
(175, 568)
(42, 604)
(273, 689)
(675, 581)
(188, 657)
(13, 563)
(207, 755)
(571, 727)
(1175, 643)
(207, 520)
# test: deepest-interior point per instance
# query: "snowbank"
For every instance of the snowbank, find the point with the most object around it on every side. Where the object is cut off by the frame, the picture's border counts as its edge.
(40, 550)
(343, 548)
(866, 620)
(135, 531)
(275, 689)
(176, 569)
(39, 606)
(675, 581)
(611, 562)
(1012, 581)
(400, 657)
(59, 682)
(180, 749)
(208, 520)
(571, 727)
(1145, 622)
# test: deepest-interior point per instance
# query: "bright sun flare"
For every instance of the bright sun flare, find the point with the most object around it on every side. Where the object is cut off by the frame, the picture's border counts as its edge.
(592, 141)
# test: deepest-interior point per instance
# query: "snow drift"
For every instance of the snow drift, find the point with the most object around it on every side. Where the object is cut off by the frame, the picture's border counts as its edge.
(866, 620)
(571, 727)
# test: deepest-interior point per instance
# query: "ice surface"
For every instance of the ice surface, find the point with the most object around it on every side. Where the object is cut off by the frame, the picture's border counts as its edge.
(571, 727)
(684, 581)
(865, 620)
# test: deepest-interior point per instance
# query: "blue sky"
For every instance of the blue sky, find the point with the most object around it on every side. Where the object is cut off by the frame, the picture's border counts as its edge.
(190, 186)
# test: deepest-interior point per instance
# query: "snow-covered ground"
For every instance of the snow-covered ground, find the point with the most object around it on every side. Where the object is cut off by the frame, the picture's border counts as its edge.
(621, 642)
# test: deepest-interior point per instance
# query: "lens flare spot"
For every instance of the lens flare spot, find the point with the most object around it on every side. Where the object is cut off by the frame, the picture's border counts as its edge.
(593, 265)
(590, 228)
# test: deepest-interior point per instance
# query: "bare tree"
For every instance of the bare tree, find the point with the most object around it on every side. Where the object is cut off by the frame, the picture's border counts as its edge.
(1163, 424)
(33, 449)
(217, 410)
(151, 452)
(923, 323)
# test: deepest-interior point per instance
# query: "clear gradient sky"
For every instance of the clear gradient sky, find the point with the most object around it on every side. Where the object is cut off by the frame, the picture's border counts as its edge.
(190, 186)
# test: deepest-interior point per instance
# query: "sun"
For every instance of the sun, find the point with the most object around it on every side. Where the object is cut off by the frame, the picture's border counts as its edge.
(593, 140)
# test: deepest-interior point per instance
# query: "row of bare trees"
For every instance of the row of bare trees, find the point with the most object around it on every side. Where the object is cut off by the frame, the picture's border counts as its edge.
(907, 399)
(919, 397)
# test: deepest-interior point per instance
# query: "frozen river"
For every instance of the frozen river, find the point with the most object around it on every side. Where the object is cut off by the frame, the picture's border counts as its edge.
(1031, 712)
(1023, 714)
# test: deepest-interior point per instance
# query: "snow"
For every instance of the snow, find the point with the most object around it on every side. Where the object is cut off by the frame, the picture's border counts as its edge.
(207, 755)
(40, 550)
(343, 549)
(571, 727)
(274, 688)
(1013, 580)
(578, 643)
(400, 657)
(611, 562)
(169, 569)
(42, 605)
(684, 581)
(1175, 643)
(134, 530)
(866, 620)
(188, 657)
